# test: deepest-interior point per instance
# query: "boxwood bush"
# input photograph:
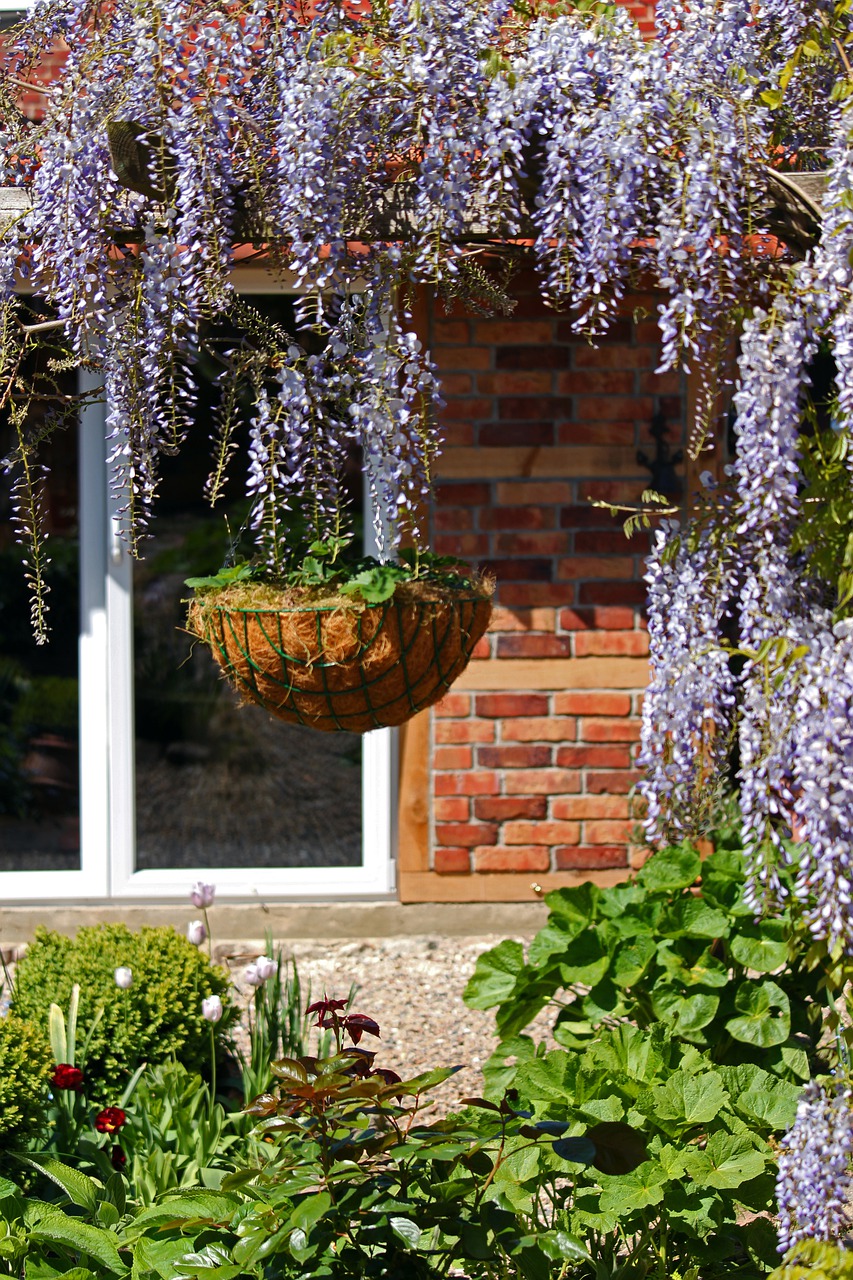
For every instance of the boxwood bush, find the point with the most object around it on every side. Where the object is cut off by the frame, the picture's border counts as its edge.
(25, 1065)
(158, 1017)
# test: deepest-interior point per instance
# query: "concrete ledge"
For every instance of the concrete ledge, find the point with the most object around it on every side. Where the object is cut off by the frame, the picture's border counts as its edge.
(311, 920)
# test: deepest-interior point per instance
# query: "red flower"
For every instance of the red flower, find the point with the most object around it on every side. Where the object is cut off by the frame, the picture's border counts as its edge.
(67, 1077)
(117, 1158)
(110, 1119)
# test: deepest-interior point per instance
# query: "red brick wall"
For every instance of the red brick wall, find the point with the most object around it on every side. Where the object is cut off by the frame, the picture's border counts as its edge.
(533, 775)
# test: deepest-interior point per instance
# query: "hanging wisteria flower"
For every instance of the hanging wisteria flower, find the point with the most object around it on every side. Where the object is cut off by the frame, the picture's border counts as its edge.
(689, 704)
(814, 1168)
(823, 781)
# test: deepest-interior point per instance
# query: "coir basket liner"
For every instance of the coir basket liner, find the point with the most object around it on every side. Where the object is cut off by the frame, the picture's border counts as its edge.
(341, 667)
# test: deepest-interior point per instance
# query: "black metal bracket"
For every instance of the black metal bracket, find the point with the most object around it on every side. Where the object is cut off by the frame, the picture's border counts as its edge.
(662, 466)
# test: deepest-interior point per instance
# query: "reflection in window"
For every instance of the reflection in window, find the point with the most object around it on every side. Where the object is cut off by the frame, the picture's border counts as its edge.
(39, 753)
(219, 784)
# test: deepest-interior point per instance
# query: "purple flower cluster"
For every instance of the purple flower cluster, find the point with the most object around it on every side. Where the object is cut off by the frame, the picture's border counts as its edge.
(823, 781)
(688, 706)
(814, 1168)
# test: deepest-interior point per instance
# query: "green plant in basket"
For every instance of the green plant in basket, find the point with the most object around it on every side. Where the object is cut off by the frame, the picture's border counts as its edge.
(155, 1016)
(675, 944)
(338, 643)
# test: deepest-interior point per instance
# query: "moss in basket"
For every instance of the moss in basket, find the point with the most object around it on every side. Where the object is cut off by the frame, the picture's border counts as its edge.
(159, 1016)
(25, 1066)
(326, 578)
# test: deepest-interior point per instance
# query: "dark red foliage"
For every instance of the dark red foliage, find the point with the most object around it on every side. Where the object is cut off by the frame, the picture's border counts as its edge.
(390, 1077)
(110, 1120)
(65, 1076)
(326, 1010)
(361, 1062)
(357, 1023)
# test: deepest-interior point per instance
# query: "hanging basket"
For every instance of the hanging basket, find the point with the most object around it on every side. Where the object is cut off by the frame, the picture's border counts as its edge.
(340, 666)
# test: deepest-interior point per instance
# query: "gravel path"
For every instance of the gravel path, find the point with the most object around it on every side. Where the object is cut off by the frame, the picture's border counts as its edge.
(413, 988)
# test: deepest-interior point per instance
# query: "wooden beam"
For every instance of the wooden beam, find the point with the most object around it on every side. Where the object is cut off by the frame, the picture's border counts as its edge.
(518, 886)
(413, 814)
(496, 674)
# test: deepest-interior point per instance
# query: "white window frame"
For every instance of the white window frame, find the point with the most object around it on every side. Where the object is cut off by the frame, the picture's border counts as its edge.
(107, 766)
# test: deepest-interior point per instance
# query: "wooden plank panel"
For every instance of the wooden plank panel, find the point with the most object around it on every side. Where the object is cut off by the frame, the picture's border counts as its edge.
(413, 813)
(428, 886)
(496, 674)
(581, 461)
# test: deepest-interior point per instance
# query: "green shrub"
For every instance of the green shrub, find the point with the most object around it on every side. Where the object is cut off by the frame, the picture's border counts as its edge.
(157, 1018)
(676, 944)
(25, 1065)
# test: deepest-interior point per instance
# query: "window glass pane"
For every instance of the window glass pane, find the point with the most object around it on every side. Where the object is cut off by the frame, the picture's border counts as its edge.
(219, 784)
(39, 753)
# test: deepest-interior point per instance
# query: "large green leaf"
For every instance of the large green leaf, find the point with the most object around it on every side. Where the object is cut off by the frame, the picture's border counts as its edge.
(688, 1099)
(157, 1256)
(576, 908)
(551, 1078)
(635, 1190)
(55, 1227)
(773, 1108)
(553, 938)
(202, 1206)
(213, 1262)
(693, 918)
(495, 975)
(727, 1161)
(559, 1245)
(80, 1189)
(685, 1015)
(407, 1230)
(761, 947)
(674, 868)
(585, 960)
(631, 960)
(764, 1014)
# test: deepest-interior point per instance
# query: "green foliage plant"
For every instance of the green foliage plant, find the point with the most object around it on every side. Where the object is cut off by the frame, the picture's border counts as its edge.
(637, 1158)
(157, 1018)
(323, 569)
(697, 1198)
(25, 1065)
(352, 1180)
(676, 945)
(176, 1136)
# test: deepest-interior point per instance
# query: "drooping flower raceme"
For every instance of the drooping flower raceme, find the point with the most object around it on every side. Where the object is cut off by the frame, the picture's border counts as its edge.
(688, 706)
(823, 782)
(814, 1168)
(773, 361)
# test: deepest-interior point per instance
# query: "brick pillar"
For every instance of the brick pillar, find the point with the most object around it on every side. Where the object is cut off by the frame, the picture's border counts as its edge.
(532, 753)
